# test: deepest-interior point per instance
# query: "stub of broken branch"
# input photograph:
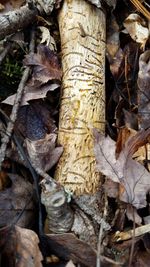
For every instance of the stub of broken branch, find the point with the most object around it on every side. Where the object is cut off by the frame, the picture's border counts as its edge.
(82, 32)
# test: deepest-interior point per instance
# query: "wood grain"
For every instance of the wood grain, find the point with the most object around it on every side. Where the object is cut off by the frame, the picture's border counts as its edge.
(82, 32)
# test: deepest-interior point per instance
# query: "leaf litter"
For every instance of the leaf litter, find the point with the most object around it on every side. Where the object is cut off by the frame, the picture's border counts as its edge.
(125, 162)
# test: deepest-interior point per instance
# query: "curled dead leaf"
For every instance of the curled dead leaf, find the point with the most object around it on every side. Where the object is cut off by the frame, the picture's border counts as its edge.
(20, 247)
(135, 26)
(43, 152)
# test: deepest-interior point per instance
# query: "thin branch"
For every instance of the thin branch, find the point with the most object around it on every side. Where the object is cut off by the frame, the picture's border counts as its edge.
(4, 53)
(16, 20)
(133, 241)
(16, 105)
(20, 18)
(98, 262)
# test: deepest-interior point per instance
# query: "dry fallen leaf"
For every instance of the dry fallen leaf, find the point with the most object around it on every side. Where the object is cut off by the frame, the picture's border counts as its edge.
(46, 75)
(133, 177)
(19, 247)
(2, 7)
(70, 264)
(123, 135)
(30, 93)
(7, 5)
(45, 65)
(13, 200)
(98, 3)
(4, 180)
(132, 214)
(71, 248)
(47, 38)
(43, 152)
(27, 248)
(113, 42)
(135, 26)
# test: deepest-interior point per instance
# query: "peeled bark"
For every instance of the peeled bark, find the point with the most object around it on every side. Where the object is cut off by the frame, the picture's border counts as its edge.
(82, 32)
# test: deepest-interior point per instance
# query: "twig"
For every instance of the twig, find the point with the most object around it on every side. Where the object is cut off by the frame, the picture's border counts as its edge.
(17, 19)
(123, 236)
(29, 165)
(4, 53)
(98, 262)
(141, 8)
(16, 105)
(133, 241)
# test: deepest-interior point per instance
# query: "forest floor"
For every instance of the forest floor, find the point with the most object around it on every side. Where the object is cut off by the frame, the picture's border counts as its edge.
(30, 94)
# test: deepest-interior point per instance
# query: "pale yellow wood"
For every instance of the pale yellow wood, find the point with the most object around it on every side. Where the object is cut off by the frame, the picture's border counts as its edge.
(82, 32)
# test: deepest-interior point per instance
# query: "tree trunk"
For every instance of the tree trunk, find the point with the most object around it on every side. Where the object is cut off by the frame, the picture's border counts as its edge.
(82, 32)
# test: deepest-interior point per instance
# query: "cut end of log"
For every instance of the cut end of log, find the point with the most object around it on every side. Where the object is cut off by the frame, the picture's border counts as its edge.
(82, 31)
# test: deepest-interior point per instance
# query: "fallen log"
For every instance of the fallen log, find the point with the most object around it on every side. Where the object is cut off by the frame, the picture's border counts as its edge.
(82, 32)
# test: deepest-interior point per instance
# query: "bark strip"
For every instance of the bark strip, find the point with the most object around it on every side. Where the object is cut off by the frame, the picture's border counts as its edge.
(82, 32)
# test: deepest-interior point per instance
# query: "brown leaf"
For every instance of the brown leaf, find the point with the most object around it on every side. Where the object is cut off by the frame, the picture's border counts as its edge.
(133, 178)
(135, 26)
(139, 145)
(141, 259)
(20, 247)
(4, 180)
(46, 75)
(130, 119)
(7, 5)
(144, 90)
(113, 42)
(45, 65)
(104, 149)
(43, 152)
(68, 246)
(111, 188)
(123, 135)
(27, 248)
(13, 199)
(31, 93)
(116, 63)
(132, 215)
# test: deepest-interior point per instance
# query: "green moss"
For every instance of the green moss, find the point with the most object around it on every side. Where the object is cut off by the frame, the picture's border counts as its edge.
(11, 71)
